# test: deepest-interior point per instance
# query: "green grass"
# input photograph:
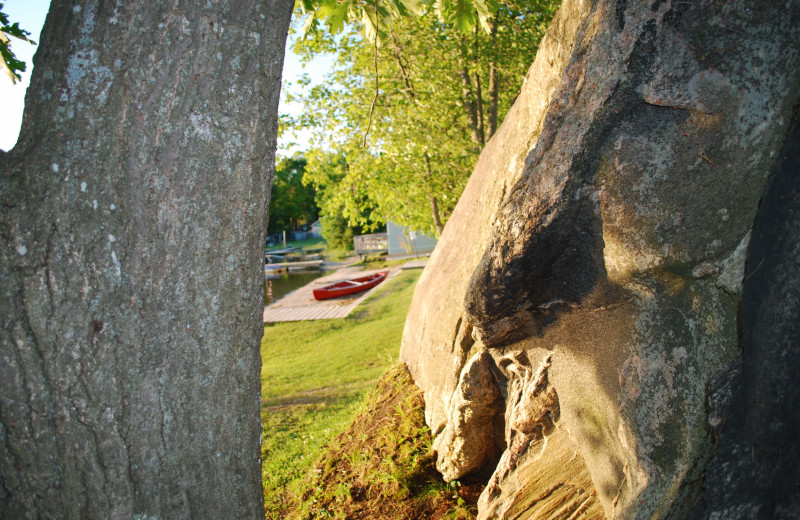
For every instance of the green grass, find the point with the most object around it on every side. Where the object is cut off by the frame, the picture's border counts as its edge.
(381, 263)
(314, 377)
(337, 255)
(294, 437)
(308, 243)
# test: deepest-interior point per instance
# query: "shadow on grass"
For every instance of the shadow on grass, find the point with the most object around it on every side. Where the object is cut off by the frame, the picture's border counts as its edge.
(319, 397)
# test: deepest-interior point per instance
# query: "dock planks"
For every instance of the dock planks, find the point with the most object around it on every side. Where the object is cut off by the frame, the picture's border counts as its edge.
(300, 305)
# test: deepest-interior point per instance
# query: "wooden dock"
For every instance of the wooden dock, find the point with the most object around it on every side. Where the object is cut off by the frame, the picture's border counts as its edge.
(304, 264)
(300, 305)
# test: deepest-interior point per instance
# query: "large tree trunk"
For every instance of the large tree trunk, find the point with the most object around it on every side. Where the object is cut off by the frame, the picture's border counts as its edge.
(133, 217)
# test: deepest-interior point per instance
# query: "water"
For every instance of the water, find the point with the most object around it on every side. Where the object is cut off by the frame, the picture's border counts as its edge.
(286, 283)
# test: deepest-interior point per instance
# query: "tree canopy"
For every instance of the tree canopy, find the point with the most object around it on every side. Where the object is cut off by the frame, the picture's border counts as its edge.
(370, 15)
(409, 114)
(292, 203)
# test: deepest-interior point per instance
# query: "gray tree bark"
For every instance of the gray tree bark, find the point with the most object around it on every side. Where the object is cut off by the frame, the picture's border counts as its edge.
(134, 212)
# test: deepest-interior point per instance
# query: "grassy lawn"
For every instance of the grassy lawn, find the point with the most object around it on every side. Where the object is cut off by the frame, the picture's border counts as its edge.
(308, 243)
(314, 378)
(380, 262)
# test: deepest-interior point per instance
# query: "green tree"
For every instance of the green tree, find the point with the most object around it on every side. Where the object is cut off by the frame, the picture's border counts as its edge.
(292, 203)
(372, 15)
(344, 215)
(423, 121)
(338, 234)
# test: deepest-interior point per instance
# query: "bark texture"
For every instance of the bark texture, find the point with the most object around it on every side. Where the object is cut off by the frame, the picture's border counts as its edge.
(611, 220)
(133, 219)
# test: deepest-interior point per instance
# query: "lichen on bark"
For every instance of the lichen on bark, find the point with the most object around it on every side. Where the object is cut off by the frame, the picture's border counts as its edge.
(130, 324)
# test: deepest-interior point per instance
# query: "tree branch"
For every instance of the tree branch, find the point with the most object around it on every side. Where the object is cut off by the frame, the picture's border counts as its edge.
(377, 78)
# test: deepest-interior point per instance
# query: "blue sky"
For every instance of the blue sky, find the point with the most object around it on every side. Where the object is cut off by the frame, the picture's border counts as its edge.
(31, 14)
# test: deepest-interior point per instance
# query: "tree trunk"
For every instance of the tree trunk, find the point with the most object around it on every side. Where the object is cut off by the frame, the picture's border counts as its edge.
(494, 96)
(478, 92)
(494, 82)
(479, 109)
(397, 52)
(467, 98)
(133, 218)
(437, 219)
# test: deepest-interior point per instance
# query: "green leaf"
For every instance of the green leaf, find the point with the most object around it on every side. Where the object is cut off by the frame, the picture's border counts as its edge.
(11, 65)
(335, 16)
(408, 7)
(15, 31)
(486, 10)
(463, 15)
(311, 26)
(369, 22)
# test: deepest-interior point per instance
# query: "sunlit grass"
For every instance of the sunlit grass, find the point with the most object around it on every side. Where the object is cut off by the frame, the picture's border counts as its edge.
(314, 377)
(294, 437)
(307, 243)
(382, 262)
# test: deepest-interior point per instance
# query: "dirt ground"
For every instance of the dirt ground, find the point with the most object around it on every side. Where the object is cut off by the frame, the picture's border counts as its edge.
(383, 465)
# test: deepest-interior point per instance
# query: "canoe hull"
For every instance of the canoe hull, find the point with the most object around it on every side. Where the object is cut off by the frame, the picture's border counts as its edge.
(348, 287)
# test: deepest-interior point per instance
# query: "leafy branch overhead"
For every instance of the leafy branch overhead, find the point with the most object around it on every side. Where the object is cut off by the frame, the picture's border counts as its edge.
(462, 14)
(11, 65)
(431, 116)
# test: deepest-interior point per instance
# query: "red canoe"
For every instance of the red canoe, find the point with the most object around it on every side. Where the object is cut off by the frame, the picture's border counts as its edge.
(351, 286)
